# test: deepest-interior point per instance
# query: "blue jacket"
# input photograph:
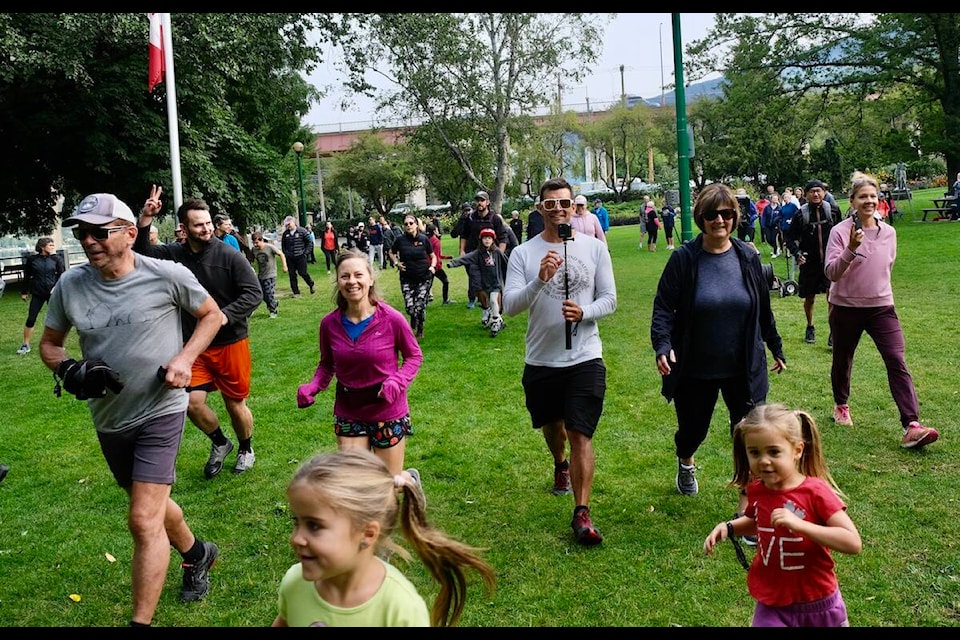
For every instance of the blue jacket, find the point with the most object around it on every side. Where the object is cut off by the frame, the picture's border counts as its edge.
(673, 309)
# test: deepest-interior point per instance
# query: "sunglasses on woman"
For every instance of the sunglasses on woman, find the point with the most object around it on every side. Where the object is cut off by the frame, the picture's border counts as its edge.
(556, 203)
(727, 214)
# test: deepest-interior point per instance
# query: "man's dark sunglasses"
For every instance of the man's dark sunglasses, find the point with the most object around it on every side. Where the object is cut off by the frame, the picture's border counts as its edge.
(98, 233)
(727, 214)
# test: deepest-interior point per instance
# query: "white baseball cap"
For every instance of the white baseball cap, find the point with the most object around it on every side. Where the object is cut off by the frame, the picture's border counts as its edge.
(581, 199)
(100, 208)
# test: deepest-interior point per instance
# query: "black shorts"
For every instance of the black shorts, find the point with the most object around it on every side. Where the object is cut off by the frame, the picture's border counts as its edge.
(811, 280)
(573, 394)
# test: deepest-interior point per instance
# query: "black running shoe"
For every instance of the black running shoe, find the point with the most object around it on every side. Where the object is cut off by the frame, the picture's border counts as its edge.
(196, 578)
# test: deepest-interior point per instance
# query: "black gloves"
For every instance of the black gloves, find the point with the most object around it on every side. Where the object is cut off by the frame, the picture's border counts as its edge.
(86, 378)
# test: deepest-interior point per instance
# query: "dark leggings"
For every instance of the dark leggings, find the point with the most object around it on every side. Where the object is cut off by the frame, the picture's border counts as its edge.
(883, 325)
(695, 401)
(331, 257)
(36, 303)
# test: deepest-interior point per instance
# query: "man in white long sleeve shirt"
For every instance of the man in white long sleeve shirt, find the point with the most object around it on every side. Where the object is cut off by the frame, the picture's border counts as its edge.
(565, 280)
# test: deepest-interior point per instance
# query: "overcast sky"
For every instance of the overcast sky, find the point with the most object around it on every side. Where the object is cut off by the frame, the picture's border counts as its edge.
(631, 39)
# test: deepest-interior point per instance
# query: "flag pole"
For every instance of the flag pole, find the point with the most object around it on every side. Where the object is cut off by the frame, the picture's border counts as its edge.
(172, 110)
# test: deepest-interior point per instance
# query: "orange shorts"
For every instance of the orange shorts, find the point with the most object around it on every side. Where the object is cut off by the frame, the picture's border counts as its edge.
(226, 368)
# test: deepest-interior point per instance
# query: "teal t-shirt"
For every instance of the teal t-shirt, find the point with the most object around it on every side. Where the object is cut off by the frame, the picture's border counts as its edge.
(395, 604)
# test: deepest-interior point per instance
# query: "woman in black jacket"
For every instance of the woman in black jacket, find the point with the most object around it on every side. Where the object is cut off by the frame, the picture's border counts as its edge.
(40, 274)
(711, 318)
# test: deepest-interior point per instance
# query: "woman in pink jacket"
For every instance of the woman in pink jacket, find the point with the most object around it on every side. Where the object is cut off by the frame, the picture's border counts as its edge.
(361, 342)
(858, 261)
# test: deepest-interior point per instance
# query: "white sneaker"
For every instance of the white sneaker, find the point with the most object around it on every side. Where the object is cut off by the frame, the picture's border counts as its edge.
(485, 318)
(245, 461)
(23, 350)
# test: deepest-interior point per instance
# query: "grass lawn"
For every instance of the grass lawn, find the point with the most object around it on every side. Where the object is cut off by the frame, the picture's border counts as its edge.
(488, 475)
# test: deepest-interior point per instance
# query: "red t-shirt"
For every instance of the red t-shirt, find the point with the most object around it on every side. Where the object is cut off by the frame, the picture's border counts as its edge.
(787, 567)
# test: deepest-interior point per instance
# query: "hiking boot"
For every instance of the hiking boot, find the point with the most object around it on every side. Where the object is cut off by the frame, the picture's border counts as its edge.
(245, 461)
(496, 327)
(810, 336)
(23, 350)
(841, 415)
(196, 580)
(918, 436)
(561, 481)
(583, 529)
(687, 479)
(485, 318)
(217, 455)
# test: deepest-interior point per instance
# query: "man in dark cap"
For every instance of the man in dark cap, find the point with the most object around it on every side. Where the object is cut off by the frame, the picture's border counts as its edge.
(481, 218)
(806, 239)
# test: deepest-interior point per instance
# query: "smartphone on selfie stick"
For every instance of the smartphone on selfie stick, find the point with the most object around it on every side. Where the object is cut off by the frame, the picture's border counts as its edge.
(565, 231)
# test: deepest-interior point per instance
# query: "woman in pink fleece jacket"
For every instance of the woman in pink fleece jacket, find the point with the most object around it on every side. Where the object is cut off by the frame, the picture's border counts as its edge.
(858, 261)
(360, 342)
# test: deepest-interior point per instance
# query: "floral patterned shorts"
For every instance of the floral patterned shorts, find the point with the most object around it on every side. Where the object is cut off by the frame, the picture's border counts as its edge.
(382, 435)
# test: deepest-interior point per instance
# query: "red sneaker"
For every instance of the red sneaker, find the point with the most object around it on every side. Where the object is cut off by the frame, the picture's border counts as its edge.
(918, 436)
(583, 529)
(561, 481)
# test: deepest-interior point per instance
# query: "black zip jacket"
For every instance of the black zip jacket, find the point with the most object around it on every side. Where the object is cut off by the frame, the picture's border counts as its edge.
(40, 273)
(673, 308)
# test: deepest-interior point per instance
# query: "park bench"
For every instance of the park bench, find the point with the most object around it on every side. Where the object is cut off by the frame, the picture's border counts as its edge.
(941, 207)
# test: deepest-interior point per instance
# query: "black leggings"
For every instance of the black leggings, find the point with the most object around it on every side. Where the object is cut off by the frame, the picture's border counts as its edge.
(331, 257)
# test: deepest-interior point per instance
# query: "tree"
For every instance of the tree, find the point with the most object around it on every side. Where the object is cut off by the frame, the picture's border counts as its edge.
(486, 68)
(862, 54)
(382, 174)
(76, 118)
(621, 142)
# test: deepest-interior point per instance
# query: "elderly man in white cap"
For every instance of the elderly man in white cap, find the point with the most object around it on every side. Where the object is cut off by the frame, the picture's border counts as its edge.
(133, 369)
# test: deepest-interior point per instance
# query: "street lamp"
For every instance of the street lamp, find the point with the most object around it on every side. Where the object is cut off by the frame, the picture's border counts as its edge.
(298, 149)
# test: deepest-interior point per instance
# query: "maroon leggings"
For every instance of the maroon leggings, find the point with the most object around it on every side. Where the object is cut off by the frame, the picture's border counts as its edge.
(883, 326)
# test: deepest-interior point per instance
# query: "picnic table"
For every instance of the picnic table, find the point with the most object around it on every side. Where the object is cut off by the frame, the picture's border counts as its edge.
(941, 207)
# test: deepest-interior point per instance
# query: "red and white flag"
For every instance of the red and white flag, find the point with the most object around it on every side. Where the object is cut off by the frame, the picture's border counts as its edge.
(156, 69)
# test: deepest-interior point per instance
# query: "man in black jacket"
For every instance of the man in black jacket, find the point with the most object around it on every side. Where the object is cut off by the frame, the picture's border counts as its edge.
(806, 239)
(297, 247)
(226, 364)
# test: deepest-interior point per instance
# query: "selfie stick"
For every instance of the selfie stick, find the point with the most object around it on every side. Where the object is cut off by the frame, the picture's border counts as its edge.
(566, 296)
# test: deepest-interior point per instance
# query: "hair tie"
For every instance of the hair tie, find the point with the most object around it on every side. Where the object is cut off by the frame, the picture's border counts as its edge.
(399, 480)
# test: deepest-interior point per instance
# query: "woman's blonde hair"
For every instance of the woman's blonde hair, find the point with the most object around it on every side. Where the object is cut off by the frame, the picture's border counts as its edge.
(357, 484)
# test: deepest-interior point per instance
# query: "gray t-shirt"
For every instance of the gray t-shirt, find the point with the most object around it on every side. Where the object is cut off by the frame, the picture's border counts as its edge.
(265, 259)
(132, 324)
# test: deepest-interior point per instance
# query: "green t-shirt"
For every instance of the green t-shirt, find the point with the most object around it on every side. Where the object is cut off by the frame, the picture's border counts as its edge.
(395, 604)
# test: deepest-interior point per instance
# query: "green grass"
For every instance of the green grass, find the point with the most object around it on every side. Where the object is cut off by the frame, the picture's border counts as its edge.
(487, 473)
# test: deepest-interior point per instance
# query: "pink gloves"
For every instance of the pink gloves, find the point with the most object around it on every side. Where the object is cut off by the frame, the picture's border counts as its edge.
(307, 392)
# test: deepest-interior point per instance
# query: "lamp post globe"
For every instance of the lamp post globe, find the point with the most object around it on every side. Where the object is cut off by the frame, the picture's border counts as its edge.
(298, 149)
